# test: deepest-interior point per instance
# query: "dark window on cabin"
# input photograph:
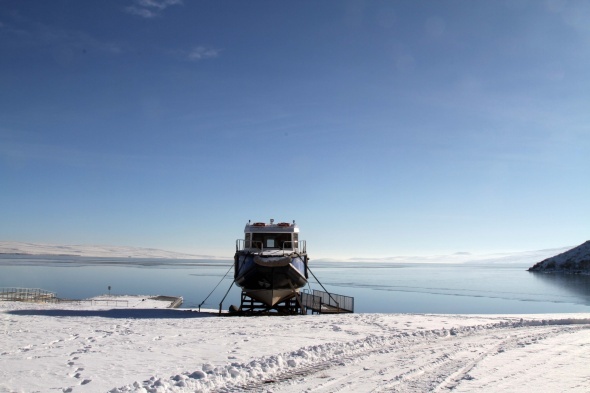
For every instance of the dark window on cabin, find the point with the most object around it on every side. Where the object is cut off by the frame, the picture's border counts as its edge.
(272, 240)
(257, 240)
(283, 240)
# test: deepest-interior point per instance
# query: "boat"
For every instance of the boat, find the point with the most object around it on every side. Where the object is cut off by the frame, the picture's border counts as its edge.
(270, 264)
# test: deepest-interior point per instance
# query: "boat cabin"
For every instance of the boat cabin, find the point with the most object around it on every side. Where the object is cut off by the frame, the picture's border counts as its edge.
(260, 237)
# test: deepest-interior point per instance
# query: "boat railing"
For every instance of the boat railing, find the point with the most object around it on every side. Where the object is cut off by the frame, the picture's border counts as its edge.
(302, 246)
(299, 246)
(240, 244)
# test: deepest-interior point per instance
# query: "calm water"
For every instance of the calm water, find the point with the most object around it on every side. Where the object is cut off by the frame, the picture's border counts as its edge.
(376, 287)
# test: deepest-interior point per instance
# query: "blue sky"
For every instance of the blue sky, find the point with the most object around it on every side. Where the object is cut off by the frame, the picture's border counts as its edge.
(383, 128)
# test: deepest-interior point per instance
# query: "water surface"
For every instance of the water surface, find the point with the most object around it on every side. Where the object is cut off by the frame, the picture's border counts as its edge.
(376, 287)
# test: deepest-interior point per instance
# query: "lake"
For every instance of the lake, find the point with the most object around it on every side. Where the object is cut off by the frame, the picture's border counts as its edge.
(376, 287)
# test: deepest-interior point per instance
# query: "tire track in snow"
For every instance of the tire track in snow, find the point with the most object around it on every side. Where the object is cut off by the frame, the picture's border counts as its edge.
(554, 364)
(408, 361)
(445, 362)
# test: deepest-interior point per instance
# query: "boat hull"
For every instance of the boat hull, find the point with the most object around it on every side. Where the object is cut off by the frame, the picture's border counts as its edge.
(270, 279)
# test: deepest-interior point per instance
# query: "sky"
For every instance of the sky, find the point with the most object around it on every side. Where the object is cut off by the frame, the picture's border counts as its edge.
(382, 127)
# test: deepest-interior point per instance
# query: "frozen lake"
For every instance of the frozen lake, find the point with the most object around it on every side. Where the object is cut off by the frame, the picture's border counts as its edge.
(376, 287)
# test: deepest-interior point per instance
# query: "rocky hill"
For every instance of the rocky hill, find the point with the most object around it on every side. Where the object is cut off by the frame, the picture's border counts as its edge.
(574, 261)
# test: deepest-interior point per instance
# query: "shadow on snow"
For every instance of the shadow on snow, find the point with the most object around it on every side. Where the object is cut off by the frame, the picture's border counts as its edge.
(117, 313)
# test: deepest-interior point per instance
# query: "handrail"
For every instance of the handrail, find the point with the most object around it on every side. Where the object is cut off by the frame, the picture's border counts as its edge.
(298, 246)
(319, 299)
(240, 244)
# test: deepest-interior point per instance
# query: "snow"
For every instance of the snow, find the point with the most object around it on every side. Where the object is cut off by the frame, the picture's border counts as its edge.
(576, 260)
(9, 247)
(82, 347)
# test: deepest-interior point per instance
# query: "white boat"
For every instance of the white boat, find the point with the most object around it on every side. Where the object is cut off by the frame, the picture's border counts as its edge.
(270, 264)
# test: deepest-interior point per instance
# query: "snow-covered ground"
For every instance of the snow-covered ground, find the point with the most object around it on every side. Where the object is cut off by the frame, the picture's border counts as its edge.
(100, 348)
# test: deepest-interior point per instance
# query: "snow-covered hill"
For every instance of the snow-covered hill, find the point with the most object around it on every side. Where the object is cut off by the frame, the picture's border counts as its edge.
(515, 257)
(7, 247)
(576, 260)
(108, 251)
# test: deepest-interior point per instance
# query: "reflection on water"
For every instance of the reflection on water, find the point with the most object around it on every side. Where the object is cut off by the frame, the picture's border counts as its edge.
(81, 277)
(451, 288)
(377, 287)
(578, 284)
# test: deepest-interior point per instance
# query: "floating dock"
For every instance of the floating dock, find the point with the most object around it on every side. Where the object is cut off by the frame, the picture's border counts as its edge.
(135, 301)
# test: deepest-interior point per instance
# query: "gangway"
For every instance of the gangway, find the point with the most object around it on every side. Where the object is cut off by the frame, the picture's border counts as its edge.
(321, 302)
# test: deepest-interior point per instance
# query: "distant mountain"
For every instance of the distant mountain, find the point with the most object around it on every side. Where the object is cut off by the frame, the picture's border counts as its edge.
(576, 261)
(517, 258)
(7, 247)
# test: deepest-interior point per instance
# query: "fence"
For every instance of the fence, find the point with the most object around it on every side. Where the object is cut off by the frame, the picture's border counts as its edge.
(324, 302)
(34, 295)
(107, 302)
(287, 247)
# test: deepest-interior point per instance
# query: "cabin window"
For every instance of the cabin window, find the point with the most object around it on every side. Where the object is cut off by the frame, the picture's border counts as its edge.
(258, 240)
(247, 240)
(271, 240)
(284, 241)
(295, 240)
